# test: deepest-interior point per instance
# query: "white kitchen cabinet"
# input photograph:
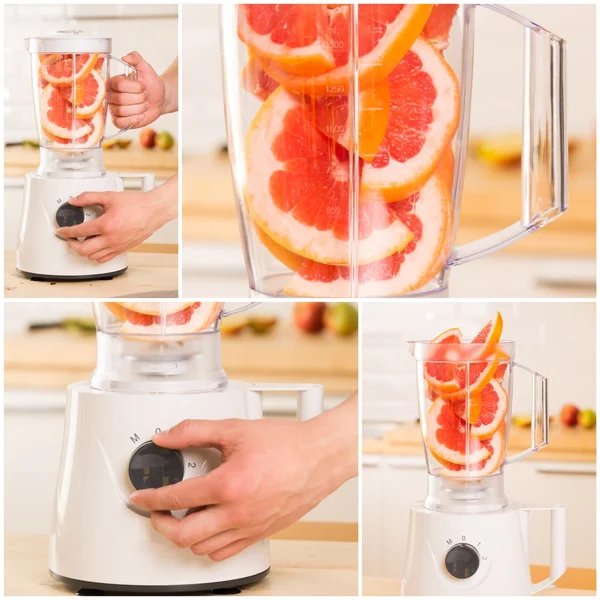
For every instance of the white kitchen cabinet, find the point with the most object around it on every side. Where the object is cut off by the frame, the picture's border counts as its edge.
(391, 484)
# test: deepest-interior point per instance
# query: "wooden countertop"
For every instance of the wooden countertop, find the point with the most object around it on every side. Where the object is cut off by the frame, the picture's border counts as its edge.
(298, 568)
(19, 160)
(150, 274)
(491, 200)
(34, 360)
(387, 586)
(566, 445)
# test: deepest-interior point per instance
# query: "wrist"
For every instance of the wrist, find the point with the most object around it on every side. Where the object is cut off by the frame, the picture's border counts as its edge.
(171, 101)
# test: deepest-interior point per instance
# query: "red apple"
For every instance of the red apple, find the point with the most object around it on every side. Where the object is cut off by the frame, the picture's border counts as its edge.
(308, 316)
(569, 414)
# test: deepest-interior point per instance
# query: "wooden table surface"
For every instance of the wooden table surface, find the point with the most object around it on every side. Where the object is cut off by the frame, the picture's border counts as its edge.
(386, 586)
(152, 275)
(298, 568)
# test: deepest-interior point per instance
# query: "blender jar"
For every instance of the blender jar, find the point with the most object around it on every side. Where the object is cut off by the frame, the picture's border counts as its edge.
(159, 347)
(465, 399)
(347, 133)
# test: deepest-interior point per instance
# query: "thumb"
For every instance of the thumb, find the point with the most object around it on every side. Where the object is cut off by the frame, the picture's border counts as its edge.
(196, 433)
(92, 199)
(134, 59)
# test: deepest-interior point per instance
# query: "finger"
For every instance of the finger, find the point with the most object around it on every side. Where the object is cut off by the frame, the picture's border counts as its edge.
(216, 542)
(125, 99)
(231, 550)
(86, 229)
(196, 433)
(92, 199)
(124, 122)
(190, 493)
(190, 530)
(134, 59)
(88, 246)
(122, 84)
(108, 251)
(107, 257)
(128, 110)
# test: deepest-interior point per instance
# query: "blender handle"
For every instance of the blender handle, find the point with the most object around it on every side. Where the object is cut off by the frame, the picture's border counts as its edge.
(539, 415)
(233, 311)
(558, 544)
(129, 70)
(544, 159)
(309, 398)
(147, 179)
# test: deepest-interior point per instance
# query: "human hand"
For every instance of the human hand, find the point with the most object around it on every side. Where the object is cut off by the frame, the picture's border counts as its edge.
(273, 472)
(140, 101)
(129, 218)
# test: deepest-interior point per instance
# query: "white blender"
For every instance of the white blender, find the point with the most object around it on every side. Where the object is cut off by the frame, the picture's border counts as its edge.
(154, 369)
(466, 538)
(70, 77)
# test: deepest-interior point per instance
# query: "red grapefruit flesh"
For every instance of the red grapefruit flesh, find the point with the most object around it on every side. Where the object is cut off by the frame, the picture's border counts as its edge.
(424, 114)
(385, 34)
(297, 189)
(93, 93)
(439, 371)
(57, 116)
(492, 405)
(437, 28)
(447, 436)
(256, 81)
(58, 69)
(96, 123)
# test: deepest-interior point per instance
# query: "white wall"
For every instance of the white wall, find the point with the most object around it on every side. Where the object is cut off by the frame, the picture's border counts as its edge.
(498, 70)
(152, 30)
(555, 339)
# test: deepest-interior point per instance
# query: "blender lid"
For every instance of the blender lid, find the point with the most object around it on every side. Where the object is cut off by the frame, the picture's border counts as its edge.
(69, 41)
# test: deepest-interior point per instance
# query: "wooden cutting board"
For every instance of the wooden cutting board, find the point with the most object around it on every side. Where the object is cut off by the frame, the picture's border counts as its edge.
(576, 440)
(53, 359)
(19, 160)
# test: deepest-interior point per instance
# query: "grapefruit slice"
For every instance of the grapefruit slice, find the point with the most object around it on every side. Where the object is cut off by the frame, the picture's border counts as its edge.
(297, 189)
(437, 28)
(150, 318)
(87, 141)
(59, 71)
(489, 336)
(424, 114)
(425, 216)
(385, 31)
(490, 407)
(438, 370)
(73, 94)
(57, 116)
(470, 378)
(93, 91)
(293, 35)
(447, 436)
(256, 80)
(496, 448)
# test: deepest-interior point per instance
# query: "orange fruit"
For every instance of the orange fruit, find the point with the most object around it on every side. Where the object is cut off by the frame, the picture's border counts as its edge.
(424, 116)
(58, 69)
(385, 34)
(447, 436)
(297, 189)
(424, 215)
(293, 35)
(438, 25)
(93, 93)
(330, 115)
(490, 407)
(489, 336)
(495, 445)
(57, 116)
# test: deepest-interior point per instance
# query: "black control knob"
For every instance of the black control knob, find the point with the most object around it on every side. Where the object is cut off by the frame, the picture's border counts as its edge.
(68, 215)
(462, 561)
(153, 467)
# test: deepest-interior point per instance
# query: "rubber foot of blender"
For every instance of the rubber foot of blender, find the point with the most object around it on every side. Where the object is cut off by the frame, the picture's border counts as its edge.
(62, 278)
(88, 588)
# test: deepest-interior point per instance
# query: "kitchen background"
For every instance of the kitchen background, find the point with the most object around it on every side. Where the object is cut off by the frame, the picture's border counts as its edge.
(558, 261)
(266, 343)
(151, 29)
(554, 338)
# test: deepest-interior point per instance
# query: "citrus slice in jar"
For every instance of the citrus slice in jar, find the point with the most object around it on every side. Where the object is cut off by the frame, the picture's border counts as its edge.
(487, 410)
(496, 447)
(57, 116)
(424, 115)
(61, 70)
(298, 191)
(90, 140)
(447, 436)
(437, 28)
(150, 318)
(385, 34)
(93, 91)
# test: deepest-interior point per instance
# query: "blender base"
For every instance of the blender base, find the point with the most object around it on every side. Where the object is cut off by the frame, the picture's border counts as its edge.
(95, 277)
(91, 588)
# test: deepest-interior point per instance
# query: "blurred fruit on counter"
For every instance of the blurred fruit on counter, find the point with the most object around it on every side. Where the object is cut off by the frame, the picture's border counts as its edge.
(257, 325)
(569, 414)
(308, 316)
(587, 418)
(122, 143)
(69, 324)
(522, 420)
(164, 140)
(341, 318)
(261, 324)
(147, 138)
